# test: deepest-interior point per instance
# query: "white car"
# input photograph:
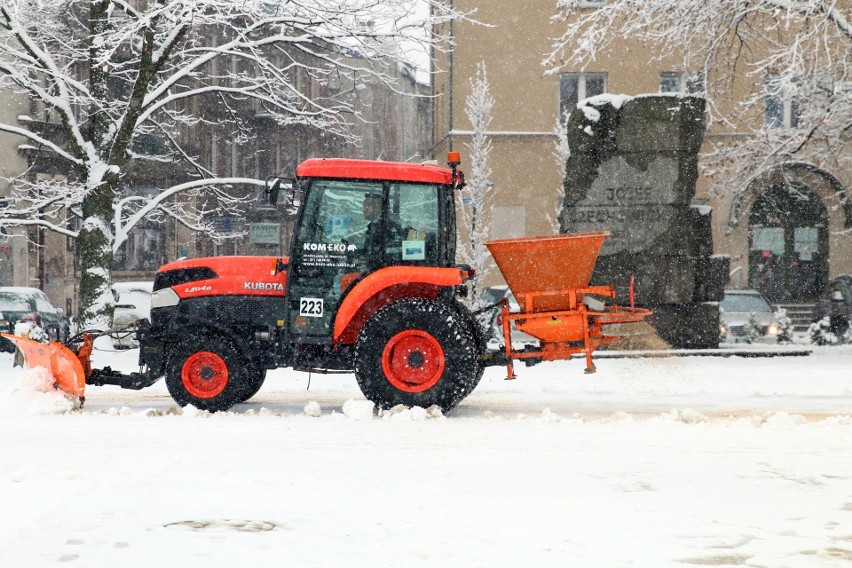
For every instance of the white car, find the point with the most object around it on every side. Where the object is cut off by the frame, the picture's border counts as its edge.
(741, 309)
(132, 305)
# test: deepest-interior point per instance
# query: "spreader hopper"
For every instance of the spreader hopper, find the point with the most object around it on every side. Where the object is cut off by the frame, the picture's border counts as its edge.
(540, 270)
(549, 277)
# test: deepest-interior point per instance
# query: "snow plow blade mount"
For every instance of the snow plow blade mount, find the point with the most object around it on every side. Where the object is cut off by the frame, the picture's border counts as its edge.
(63, 364)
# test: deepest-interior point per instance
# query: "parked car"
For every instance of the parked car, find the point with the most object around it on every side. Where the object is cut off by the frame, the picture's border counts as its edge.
(836, 303)
(490, 321)
(19, 304)
(737, 308)
(132, 305)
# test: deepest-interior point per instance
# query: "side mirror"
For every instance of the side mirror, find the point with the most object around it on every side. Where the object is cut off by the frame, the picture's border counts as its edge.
(272, 191)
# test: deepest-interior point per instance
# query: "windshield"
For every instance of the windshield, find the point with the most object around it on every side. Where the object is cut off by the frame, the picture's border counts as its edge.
(13, 302)
(744, 303)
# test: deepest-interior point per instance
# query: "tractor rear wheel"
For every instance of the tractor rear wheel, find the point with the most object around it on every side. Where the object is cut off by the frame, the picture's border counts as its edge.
(417, 352)
(209, 374)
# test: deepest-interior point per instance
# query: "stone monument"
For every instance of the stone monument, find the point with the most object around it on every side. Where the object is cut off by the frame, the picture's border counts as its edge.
(632, 171)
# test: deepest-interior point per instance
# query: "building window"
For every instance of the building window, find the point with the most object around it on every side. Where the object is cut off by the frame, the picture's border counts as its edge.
(213, 151)
(574, 87)
(686, 83)
(781, 110)
(143, 249)
(145, 246)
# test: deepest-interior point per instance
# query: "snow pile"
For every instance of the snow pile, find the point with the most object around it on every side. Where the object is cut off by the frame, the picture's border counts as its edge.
(412, 414)
(33, 393)
(193, 412)
(358, 409)
(313, 409)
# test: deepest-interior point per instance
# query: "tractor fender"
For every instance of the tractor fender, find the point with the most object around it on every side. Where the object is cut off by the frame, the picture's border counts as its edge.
(387, 285)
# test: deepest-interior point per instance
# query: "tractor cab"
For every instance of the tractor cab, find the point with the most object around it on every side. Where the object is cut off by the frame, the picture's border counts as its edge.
(359, 219)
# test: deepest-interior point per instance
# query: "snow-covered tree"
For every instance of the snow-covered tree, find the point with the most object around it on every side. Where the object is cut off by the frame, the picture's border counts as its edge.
(561, 153)
(793, 56)
(820, 333)
(104, 74)
(475, 197)
(785, 326)
(753, 329)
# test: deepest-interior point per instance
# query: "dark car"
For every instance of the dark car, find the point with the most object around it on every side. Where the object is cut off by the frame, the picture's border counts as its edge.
(836, 304)
(19, 303)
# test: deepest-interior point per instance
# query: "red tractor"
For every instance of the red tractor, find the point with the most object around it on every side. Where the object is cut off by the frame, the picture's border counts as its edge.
(371, 286)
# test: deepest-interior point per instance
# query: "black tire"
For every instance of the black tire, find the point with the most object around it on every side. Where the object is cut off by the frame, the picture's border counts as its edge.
(417, 352)
(252, 384)
(478, 337)
(207, 373)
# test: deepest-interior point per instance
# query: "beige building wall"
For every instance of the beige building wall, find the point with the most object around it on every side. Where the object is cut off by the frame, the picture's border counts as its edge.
(14, 251)
(512, 44)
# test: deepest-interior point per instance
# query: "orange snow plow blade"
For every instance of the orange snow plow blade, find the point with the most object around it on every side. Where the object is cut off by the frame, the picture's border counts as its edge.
(62, 363)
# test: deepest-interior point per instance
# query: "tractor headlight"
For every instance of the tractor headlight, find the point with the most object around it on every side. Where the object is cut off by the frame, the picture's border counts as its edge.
(164, 297)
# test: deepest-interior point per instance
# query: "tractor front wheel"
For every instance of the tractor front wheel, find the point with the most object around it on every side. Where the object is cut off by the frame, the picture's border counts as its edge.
(252, 384)
(417, 352)
(207, 374)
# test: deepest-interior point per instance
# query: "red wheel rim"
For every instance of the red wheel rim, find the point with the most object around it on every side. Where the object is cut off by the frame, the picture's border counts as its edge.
(413, 361)
(204, 374)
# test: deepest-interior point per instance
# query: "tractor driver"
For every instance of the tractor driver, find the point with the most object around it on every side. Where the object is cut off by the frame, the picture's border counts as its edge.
(373, 241)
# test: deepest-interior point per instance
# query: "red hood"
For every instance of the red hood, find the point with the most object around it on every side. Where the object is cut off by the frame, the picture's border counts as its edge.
(235, 275)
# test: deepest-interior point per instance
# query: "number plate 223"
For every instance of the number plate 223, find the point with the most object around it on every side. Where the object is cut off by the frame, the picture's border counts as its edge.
(311, 307)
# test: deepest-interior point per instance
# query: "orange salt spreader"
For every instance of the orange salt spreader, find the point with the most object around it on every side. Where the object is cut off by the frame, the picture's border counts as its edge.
(549, 277)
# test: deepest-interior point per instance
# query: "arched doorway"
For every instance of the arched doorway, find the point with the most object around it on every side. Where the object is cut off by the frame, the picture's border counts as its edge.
(788, 244)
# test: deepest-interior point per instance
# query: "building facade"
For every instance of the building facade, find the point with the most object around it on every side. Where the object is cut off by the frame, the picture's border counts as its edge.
(803, 240)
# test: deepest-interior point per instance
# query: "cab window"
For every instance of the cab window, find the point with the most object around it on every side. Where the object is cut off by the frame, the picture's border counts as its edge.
(414, 208)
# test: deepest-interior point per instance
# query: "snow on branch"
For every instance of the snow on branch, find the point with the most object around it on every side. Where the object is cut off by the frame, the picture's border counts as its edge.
(40, 202)
(131, 209)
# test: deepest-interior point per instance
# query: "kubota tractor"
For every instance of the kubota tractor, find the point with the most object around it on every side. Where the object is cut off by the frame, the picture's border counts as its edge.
(370, 285)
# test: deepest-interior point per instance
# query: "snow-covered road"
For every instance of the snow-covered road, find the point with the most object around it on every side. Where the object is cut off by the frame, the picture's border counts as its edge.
(650, 462)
